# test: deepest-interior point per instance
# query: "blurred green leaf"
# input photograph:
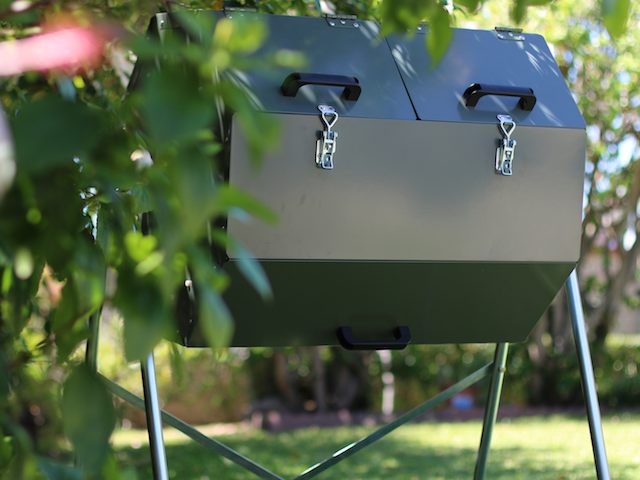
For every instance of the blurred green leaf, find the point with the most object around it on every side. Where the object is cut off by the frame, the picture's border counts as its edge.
(112, 471)
(519, 11)
(214, 317)
(290, 59)
(177, 363)
(146, 318)
(615, 15)
(142, 199)
(229, 197)
(53, 470)
(519, 8)
(4, 382)
(89, 271)
(247, 263)
(439, 35)
(88, 417)
(192, 174)
(261, 132)
(469, 5)
(69, 331)
(22, 466)
(139, 246)
(82, 295)
(172, 105)
(242, 34)
(199, 24)
(6, 451)
(140, 298)
(51, 132)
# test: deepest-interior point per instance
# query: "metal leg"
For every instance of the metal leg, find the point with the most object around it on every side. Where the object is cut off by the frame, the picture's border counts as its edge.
(154, 419)
(491, 409)
(588, 380)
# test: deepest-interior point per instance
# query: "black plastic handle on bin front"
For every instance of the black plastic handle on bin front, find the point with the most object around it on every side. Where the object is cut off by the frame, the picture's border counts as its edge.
(478, 90)
(294, 81)
(402, 338)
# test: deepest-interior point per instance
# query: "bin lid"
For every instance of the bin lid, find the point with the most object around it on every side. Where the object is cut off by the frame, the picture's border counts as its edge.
(490, 59)
(332, 47)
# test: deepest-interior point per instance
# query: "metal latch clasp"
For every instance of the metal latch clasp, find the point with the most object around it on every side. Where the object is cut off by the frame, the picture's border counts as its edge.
(506, 149)
(326, 144)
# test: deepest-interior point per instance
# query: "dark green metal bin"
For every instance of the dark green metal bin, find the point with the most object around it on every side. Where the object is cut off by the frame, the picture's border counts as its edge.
(433, 204)
(415, 225)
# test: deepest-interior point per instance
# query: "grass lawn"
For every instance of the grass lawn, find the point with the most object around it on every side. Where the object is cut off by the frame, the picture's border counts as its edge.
(537, 448)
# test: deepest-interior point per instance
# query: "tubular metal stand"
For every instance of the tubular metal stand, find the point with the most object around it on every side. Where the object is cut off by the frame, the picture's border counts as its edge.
(496, 370)
(154, 419)
(586, 374)
(491, 409)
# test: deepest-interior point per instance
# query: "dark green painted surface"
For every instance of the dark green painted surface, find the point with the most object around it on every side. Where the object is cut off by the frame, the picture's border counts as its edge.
(440, 302)
(479, 56)
(335, 50)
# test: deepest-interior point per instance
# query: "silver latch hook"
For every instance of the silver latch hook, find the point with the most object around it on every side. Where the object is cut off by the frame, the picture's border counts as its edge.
(328, 111)
(505, 152)
(326, 144)
(507, 125)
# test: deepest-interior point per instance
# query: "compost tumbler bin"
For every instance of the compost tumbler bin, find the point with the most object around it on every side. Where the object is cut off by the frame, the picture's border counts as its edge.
(416, 202)
(417, 229)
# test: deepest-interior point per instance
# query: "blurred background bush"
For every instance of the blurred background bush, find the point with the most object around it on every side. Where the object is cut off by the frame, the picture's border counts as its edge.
(229, 385)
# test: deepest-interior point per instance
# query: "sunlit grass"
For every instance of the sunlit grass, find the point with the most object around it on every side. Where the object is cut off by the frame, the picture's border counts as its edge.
(540, 448)
(619, 339)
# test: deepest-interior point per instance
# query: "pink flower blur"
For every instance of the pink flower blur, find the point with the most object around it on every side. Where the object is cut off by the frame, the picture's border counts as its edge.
(68, 48)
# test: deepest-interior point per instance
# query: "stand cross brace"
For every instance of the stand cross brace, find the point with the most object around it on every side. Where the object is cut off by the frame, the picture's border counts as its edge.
(194, 433)
(342, 454)
(496, 369)
(390, 427)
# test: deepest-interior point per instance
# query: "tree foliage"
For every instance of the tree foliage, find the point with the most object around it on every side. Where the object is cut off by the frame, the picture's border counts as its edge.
(81, 144)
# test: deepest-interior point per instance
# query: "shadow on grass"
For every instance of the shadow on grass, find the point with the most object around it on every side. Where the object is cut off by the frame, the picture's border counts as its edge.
(288, 454)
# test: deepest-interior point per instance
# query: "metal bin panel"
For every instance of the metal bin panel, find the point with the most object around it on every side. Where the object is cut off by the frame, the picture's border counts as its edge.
(440, 302)
(409, 191)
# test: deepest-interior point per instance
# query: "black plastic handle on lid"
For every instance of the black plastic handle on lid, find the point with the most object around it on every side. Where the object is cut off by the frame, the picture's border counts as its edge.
(478, 90)
(402, 338)
(294, 81)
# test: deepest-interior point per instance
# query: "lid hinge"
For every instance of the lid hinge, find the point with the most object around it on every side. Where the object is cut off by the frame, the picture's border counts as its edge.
(342, 21)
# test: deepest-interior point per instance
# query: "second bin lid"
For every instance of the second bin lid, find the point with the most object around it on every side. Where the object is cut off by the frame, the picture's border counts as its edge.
(496, 65)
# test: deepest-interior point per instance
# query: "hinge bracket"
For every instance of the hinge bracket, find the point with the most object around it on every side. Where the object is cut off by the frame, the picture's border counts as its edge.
(342, 21)
(509, 33)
